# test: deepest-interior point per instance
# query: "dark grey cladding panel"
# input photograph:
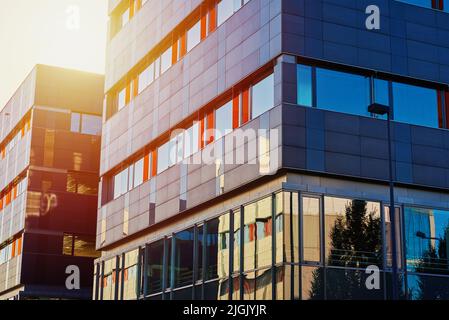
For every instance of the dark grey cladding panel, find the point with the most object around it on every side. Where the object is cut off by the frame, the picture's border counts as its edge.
(412, 41)
(350, 145)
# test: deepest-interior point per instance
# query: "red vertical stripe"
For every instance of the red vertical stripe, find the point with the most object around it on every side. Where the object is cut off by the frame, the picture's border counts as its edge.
(245, 106)
(213, 19)
(210, 127)
(154, 163)
(146, 167)
(203, 27)
(236, 112)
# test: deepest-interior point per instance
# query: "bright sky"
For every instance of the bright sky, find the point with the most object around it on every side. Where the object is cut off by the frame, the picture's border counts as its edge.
(64, 33)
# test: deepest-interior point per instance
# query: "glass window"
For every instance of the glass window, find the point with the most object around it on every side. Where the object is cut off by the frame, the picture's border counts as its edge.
(421, 3)
(236, 267)
(67, 245)
(121, 183)
(138, 173)
(166, 60)
(212, 249)
(200, 252)
(130, 275)
(191, 139)
(194, 36)
(415, 105)
(225, 9)
(84, 246)
(304, 76)
(223, 120)
(155, 266)
(214, 256)
(263, 285)
(183, 264)
(173, 148)
(130, 177)
(75, 122)
(109, 279)
(262, 96)
(446, 5)
(124, 184)
(125, 17)
(122, 99)
(426, 235)
(146, 78)
(91, 125)
(311, 229)
(163, 157)
(117, 185)
(388, 236)
(257, 234)
(381, 92)
(353, 232)
(342, 92)
(157, 67)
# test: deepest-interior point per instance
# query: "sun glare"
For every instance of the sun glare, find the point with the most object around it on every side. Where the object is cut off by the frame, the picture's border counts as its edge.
(64, 33)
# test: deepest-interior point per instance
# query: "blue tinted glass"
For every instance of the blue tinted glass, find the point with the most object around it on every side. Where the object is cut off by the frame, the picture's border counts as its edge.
(415, 105)
(421, 3)
(426, 233)
(342, 92)
(381, 95)
(381, 92)
(262, 96)
(446, 5)
(304, 76)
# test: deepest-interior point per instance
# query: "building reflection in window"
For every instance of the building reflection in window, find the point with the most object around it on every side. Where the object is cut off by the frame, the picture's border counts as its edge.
(130, 273)
(257, 234)
(311, 229)
(155, 268)
(183, 263)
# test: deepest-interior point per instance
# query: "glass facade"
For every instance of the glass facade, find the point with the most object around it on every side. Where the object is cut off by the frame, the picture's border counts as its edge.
(352, 93)
(244, 254)
(262, 96)
(342, 92)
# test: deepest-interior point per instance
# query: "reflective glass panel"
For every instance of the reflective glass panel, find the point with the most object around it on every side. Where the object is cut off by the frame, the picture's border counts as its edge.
(415, 105)
(311, 229)
(262, 96)
(225, 9)
(342, 92)
(75, 122)
(166, 60)
(84, 246)
(304, 76)
(257, 234)
(223, 120)
(193, 36)
(183, 264)
(138, 173)
(155, 266)
(421, 3)
(91, 124)
(352, 232)
(130, 273)
(426, 235)
(163, 157)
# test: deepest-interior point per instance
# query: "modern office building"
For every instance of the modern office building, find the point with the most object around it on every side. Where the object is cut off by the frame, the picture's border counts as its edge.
(49, 169)
(242, 157)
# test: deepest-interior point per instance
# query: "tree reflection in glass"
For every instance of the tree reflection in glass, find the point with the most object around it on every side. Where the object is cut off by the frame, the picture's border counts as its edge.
(353, 239)
(427, 232)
